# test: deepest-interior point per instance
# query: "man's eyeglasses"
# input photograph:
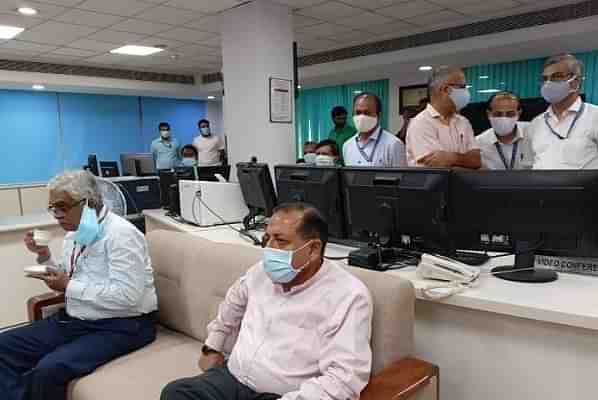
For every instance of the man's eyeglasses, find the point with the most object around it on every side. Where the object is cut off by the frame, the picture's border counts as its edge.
(556, 77)
(62, 209)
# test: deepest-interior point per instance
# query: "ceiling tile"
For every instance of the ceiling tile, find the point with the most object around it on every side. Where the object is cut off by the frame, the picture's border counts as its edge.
(372, 4)
(90, 18)
(118, 7)
(44, 10)
(316, 44)
(56, 33)
(300, 21)
(454, 3)
(186, 35)
(159, 41)
(116, 37)
(215, 42)
(25, 46)
(480, 8)
(64, 3)
(10, 54)
(141, 27)
(109, 59)
(205, 6)
(19, 20)
(395, 26)
(331, 10)
(365, 20)
(351, 36)
(299, 4)
(66, 51)
(56, 58)
(168, 15)
(325, 29)
(437, 17)
(87, 44)
(206, 24)
(410, 9)
(195, 51)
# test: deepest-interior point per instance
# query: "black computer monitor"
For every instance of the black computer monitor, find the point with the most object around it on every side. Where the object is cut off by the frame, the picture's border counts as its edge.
(167, 179)
(138, 164)
(92, 164)
(398, 207)
(258, 191)
(109, 169)
(318, 186)
(526, 212)
(209, 173)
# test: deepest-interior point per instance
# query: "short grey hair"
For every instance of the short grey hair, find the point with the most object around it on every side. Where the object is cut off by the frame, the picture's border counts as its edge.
(440, 76)
(79, 185)
(574, 65)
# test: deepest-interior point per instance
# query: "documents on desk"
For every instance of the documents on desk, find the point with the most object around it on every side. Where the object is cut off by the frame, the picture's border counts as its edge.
(211, 203)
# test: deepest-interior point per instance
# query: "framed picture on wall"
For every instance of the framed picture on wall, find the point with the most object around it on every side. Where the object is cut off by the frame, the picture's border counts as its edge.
(281, 107)
(410, 96)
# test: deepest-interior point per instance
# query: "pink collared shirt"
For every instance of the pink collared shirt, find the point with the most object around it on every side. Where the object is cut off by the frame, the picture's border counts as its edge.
(426, 133)
(312, 342)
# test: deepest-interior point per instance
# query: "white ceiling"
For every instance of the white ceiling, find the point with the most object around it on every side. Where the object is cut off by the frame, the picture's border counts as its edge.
(82, 32)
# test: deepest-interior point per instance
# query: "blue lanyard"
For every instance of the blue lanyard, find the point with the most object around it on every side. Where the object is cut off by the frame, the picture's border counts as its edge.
(502, 155)
(363, 154)
(577, 116)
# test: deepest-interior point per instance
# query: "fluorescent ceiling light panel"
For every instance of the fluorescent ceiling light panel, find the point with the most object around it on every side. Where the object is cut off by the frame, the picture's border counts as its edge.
(133, 50)
(425, 68)
(27, 10)
(38, 87)
(9, 32)
(488, 91)
(211, 97)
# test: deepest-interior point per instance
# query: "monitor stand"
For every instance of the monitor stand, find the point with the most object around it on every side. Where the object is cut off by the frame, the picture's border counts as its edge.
(524, 259)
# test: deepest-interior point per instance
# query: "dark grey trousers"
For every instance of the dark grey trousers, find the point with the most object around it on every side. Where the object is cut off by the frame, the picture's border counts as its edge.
(217, 383)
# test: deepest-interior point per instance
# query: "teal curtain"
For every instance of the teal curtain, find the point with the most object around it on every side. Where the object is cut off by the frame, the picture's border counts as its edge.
(524, 78)
(312, 109)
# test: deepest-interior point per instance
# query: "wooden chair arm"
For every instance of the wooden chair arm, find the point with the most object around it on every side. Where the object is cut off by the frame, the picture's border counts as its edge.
(400, 380)
(36, 304)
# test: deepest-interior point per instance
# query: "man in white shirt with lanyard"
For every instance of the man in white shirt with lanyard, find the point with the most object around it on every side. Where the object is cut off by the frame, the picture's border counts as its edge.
(372, 146)
(106, 276)
(505, 145)
(566, 135)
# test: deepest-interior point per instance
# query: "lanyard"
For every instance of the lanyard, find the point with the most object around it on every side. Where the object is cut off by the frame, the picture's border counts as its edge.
(363, 154)
(502, 155)
(74, 258)
(577, 116)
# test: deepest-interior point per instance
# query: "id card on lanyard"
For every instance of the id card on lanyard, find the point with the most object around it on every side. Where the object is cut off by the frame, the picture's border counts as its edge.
(577, 117)
(75, 258)
(369, 158)
(513, 155)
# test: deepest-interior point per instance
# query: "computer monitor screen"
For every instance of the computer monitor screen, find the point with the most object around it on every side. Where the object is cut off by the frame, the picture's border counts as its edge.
(92, 164)
(258, 189)
(167, 178)
(109, 169)
(209, 173)
(526, 212)
(401, 207)
(138, 164)
(140, 193)
(318, 186)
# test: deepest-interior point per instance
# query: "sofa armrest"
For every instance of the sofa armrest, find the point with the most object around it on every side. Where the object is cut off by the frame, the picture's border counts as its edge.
(36, 304)
(401, 380)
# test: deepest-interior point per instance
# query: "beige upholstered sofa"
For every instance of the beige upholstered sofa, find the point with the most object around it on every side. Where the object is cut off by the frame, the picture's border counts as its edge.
(192, 276)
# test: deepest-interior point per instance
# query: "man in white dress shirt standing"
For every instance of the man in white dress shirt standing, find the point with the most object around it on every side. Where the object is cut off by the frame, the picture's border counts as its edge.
(304, 324)
(566, 135)
(106, 276)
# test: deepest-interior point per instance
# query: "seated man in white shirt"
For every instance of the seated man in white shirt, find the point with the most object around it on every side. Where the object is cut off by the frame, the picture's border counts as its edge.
(106, 275)
(372, 146)
(210, 148)
(566, 135)
(304, 324)
(505, 145)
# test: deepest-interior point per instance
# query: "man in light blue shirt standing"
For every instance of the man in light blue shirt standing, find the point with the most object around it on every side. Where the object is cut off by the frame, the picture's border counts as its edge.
(106, 278)
(166, 149)
(372, 146)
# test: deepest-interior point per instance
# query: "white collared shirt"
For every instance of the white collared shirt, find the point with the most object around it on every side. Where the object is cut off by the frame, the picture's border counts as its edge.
(208, 150)
(491, 158)
(389, 152)
(578, 149)
(113, 277)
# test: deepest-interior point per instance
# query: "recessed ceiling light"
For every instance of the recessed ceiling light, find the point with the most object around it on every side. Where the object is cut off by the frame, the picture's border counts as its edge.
(38, 87)
(211, 97)
(299, 86)
(27, 10)
(8, 32)
(425, 68)
(133, 50)
(484, 77)
(357, 92)
(488, 91)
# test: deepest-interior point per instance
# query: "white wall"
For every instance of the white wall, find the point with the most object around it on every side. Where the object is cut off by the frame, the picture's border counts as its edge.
(214, 115)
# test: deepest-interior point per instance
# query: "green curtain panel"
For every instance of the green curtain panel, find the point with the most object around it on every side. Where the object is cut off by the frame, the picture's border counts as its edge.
(524, 78)
(312, 109)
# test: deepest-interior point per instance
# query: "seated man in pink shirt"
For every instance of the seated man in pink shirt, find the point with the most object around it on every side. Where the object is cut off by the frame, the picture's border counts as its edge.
(439, 136)
(304, 324)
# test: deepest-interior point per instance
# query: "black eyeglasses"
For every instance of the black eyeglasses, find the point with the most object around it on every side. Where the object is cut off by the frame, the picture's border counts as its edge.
(62, 209)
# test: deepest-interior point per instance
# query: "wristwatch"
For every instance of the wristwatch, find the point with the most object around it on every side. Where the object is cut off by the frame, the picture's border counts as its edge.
(205, 350)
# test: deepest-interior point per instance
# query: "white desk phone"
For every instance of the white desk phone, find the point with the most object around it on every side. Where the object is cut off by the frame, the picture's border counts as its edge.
(452, 276)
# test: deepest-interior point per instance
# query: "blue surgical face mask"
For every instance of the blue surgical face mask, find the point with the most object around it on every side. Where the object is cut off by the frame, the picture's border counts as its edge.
(278, 264)
(310, 158)
(189, 162)
(555, 92)
(89, 228)
(460, 97)
(204, 131)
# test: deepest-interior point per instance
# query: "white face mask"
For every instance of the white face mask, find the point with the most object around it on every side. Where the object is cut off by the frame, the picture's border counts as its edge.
(364, 123)
(503, 126)
(310, 158)
(323, 160)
